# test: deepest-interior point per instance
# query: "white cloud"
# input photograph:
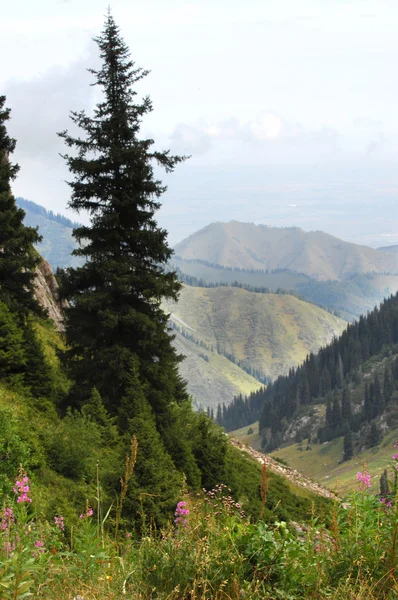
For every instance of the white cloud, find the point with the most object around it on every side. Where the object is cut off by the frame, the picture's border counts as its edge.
(266, 128)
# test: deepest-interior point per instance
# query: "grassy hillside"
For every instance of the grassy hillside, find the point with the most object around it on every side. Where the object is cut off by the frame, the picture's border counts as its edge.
(323, 462)
(315, 253)
(213, 381)
(351, 297)
(267, 331)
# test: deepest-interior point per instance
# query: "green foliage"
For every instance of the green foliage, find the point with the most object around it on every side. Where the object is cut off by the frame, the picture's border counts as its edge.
(72, 446)
(14, 451)
(114, 315)
(212, 550)
(348, 446)
(12, 352)
(18, 259)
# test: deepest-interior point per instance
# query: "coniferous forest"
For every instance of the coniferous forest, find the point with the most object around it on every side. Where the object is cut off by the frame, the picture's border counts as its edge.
(111, 485)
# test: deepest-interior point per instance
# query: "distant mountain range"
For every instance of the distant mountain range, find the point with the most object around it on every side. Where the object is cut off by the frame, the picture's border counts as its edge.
(258, 247)
(235, 339)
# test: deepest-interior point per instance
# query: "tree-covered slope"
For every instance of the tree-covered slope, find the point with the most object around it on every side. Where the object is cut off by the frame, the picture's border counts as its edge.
(264, 334)
(348, 389)
(314, 253)
(56, 230)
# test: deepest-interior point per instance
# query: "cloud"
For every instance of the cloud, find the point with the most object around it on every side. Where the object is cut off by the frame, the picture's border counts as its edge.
(40, 106)
(265, 129)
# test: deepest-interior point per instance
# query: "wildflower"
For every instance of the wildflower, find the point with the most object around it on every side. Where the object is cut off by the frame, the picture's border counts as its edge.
(363, 479)
(21, 488)
(89, 512)
(395, 457)
(8, 548)
(7, 518)
(59, 522)
(180, 513)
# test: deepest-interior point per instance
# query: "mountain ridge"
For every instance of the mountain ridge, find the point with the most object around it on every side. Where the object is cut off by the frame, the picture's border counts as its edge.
(261, 247)
(265, 332)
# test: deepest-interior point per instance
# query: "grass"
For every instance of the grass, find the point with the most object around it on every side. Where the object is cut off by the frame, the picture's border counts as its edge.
(270, 332)
(251, 439)
(212, 550)
(323, 462)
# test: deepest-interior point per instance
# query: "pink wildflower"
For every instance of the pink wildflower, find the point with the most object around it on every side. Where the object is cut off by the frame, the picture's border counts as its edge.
(180, 513)
(89, 512)
(21, 488)
(59, 522)
(7, 518)
(364, 480)
(8, 548)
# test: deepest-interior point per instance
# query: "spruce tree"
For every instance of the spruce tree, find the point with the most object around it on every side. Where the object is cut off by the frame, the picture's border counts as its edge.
(114, 317)
(18, 259)
(348, 446)
(346, 410)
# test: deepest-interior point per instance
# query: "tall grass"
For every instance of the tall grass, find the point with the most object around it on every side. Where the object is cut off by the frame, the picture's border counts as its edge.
(210, 550)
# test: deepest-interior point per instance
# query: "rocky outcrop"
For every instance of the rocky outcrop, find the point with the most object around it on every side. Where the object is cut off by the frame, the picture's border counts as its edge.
(47, 293)
(294, 476)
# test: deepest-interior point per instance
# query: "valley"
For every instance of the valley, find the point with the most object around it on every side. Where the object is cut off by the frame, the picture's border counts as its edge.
(232, 337)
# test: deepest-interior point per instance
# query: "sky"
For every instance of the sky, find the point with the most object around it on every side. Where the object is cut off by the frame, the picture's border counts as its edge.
(287, 108)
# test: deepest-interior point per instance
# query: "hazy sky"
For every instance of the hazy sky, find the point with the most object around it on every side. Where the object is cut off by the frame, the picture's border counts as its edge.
(288, 107)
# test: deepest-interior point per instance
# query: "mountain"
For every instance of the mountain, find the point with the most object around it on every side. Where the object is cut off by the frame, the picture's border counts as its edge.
(357, 294)
(389, 249)
(349, 388)
(237, 333)
(58, 243)
(259, 247)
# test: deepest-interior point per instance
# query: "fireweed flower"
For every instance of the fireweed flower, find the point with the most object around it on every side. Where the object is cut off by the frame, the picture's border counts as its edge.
(59, 523)
(89, 512)
(7, 518)
(180, 513)
(363, 479)
(21, 488)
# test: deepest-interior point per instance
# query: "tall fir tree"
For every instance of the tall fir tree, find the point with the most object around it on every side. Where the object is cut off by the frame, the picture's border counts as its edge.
(18, 259)
(114, 316)
(348, 446)
(346, 410)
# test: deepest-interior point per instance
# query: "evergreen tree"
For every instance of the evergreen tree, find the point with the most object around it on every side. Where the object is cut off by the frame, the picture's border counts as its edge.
(348, 446)
(374, 436)
(336, 414)
(38, 375)
(18, 258)
(367, 404)
(329, 413)
(346, 410)
(114, 315)
(12, 355)
(387, 386)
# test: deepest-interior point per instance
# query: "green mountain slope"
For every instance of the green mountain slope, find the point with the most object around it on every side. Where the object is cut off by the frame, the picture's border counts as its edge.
(315, 253)
(267, 332)
(58, 243)
(350, 297)
(212, 378)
